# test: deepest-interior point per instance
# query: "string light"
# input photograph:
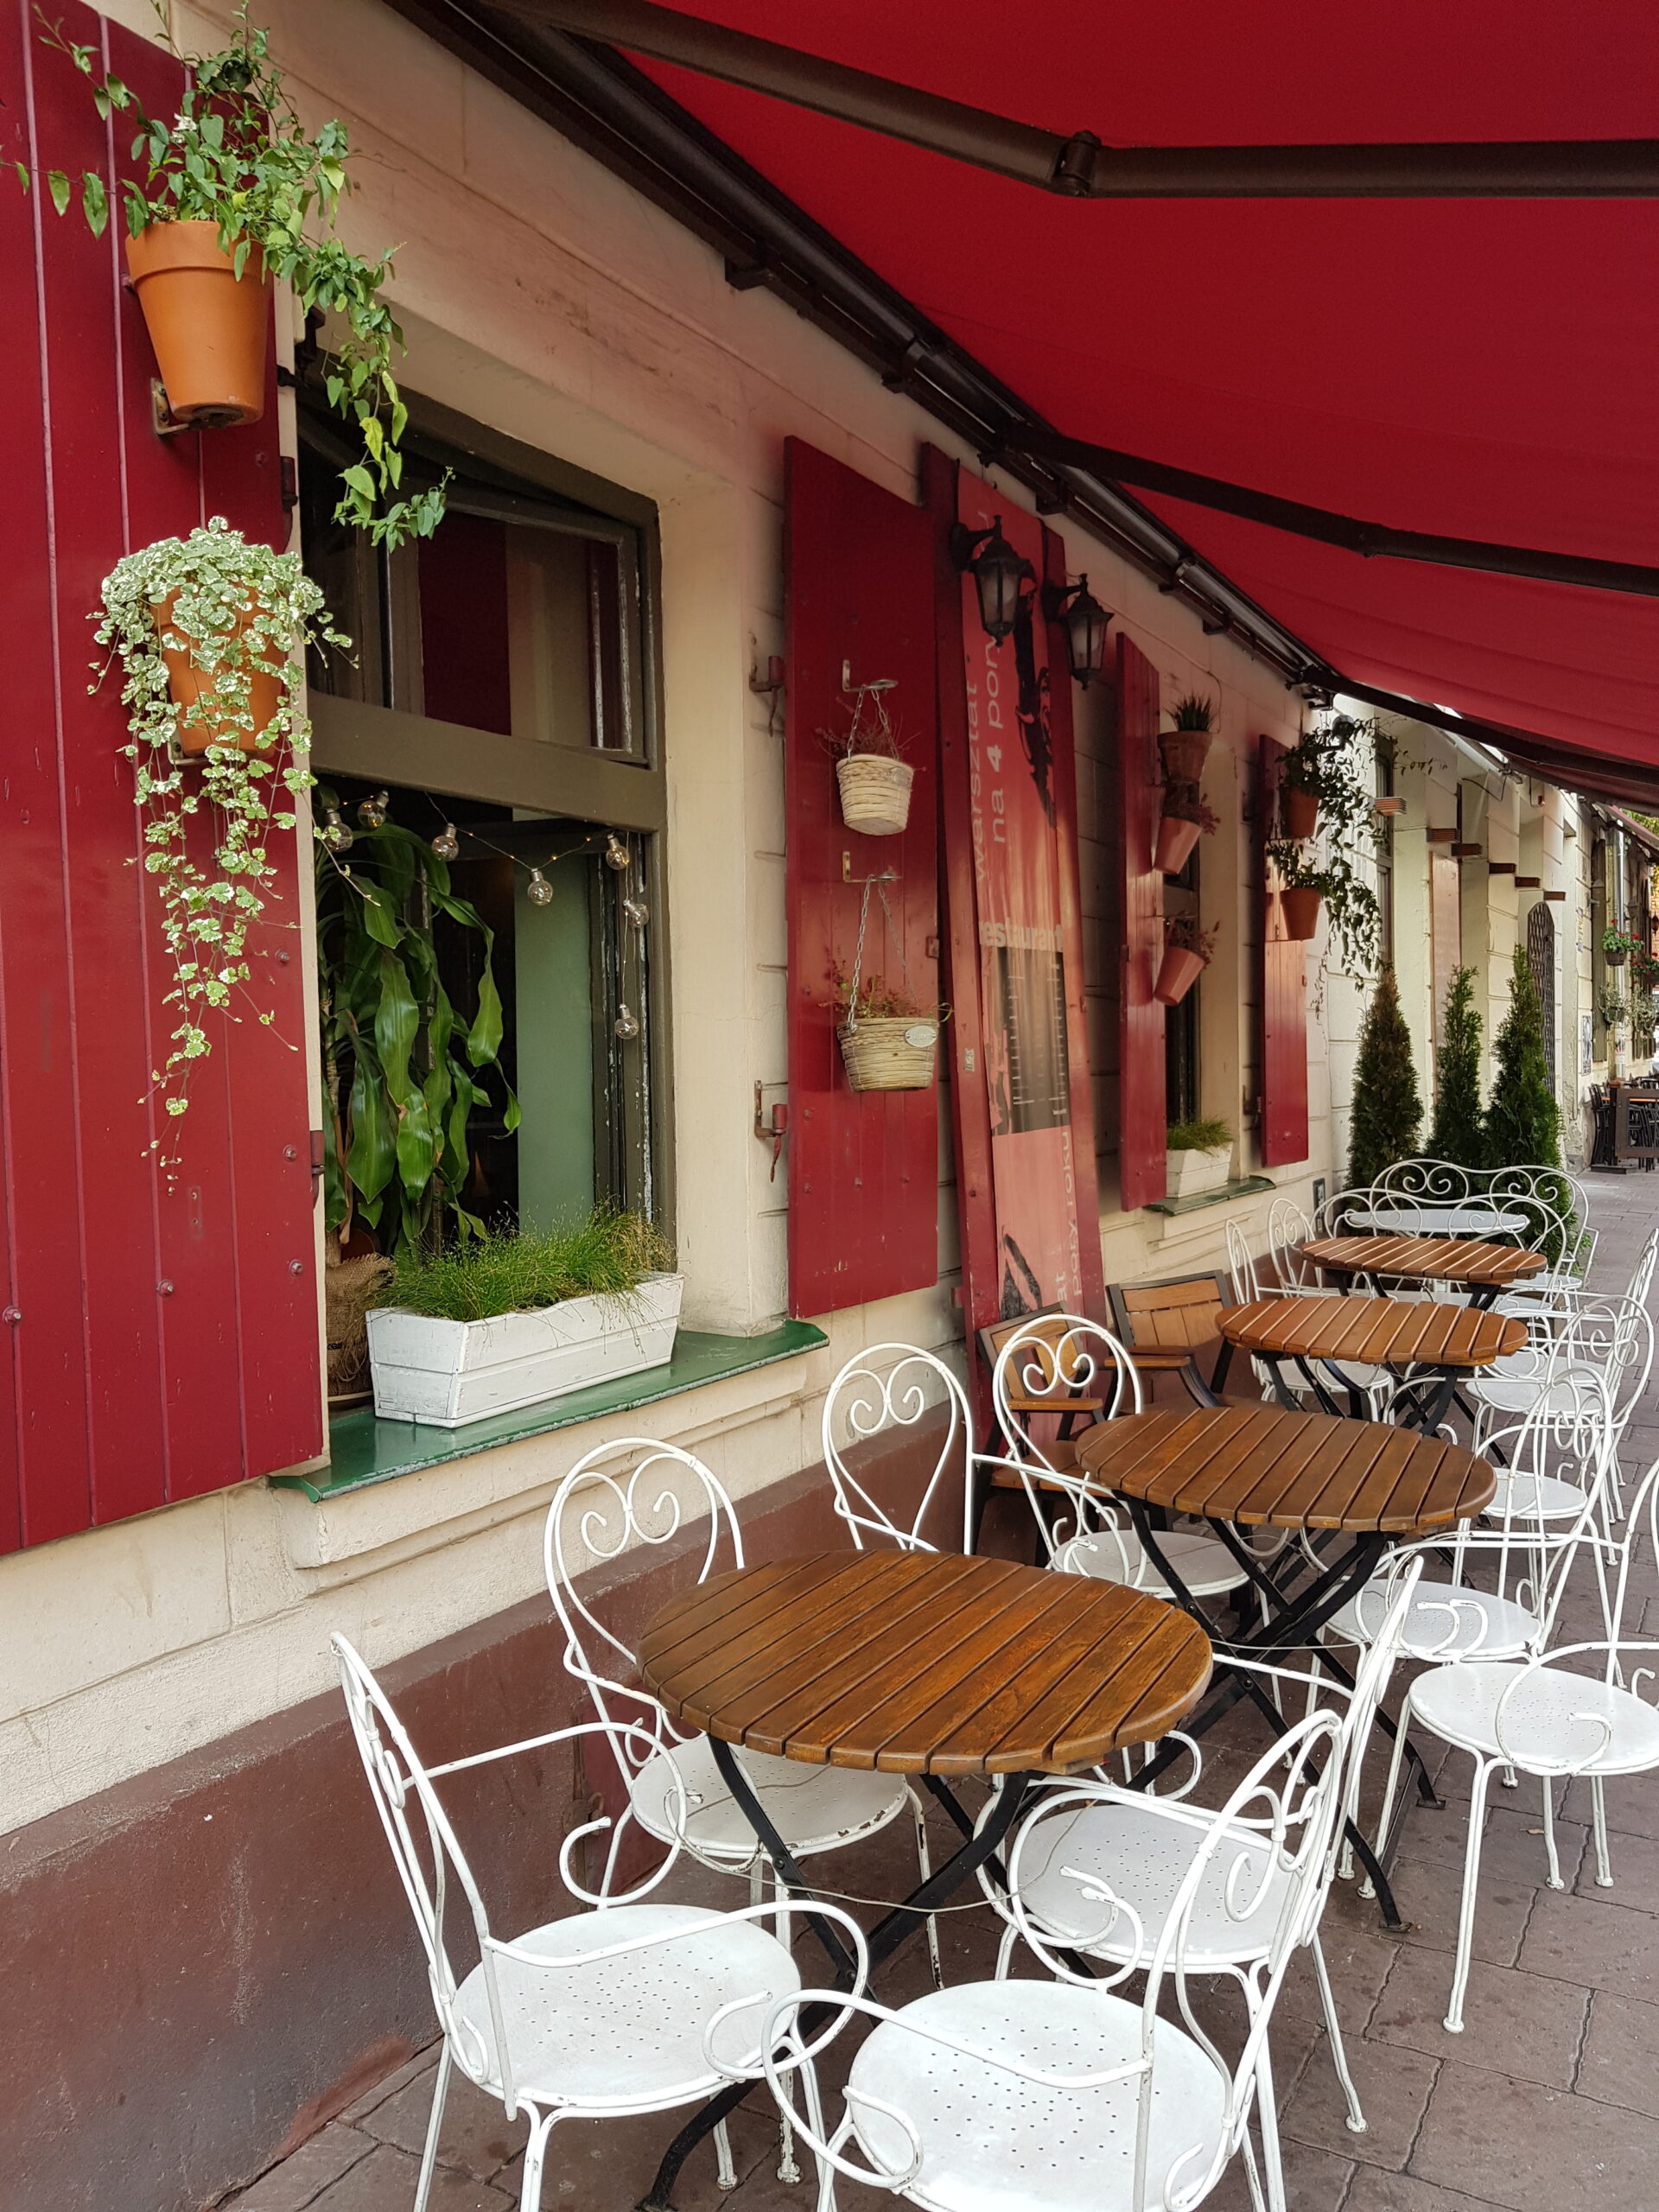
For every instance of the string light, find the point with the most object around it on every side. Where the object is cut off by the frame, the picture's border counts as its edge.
(336, 834)
(637, 912)
(446, 844)
(616, 853)
(628, 1025)
(538, 890)
(371, 811)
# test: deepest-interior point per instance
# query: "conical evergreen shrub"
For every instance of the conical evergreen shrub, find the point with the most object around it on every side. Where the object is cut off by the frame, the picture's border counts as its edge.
(1523, 1122)
(1459, 1133)
(1388, 1109)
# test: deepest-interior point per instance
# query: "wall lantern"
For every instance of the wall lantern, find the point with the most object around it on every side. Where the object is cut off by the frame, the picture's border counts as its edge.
(1085, 621)
(999, 573)
(1318, 696)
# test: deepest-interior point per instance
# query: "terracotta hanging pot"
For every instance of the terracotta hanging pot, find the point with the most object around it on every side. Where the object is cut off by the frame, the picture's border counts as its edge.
(187, 683)
(210, 330)
(1299, 810)
(1301, 907)
(1176, 838)
(1177, 971)
(1185, 753)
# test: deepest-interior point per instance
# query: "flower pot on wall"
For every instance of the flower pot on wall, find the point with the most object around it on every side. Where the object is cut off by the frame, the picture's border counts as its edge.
(1176, 838)
(1177, 973)
(889, 1051)
(188, 684)
(1185, 753)
(875, 794)
(448, 1373)
(1617, 956)
(210, 329)
(1301, 907)
(1299, 810)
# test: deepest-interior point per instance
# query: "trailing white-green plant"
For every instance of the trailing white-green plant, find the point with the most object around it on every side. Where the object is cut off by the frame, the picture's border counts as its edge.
(1338, 765)
(236, 154)
(240, 612)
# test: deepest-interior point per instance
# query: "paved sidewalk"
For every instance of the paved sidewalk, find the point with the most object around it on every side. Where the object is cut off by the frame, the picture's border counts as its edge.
(1547, 2102)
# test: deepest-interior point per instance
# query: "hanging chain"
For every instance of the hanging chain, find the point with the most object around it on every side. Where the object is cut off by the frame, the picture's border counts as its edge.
(873, 883)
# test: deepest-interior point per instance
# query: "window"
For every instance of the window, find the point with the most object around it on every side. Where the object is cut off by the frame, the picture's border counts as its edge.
(502, 688)
(1181, 1019)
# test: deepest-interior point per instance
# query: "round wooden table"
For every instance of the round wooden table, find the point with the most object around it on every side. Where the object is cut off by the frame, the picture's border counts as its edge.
(924, 1664)
(1483, 1268)
(1262, 1467)
(1443, 1342)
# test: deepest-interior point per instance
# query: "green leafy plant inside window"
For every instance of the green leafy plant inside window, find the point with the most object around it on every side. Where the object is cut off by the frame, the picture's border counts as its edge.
(241, 617)
(237, 155)
(403, 1069)
(608, 1256)
(1337, 764)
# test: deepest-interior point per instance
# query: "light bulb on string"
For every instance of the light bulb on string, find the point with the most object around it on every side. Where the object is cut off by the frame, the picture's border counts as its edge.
(538, 890)
(337, 833)
(371, 811)
(446, 844)
(616, 853)
(637, 912)
(628, 1025)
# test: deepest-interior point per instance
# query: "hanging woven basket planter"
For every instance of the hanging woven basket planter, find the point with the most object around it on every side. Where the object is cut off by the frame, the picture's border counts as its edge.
(1184, 752)
(889, 1051)
(210, 329)
(875, 794)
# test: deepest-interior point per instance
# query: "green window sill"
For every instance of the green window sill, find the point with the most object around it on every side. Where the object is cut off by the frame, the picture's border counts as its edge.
(1246, 1187)
(364, 1450)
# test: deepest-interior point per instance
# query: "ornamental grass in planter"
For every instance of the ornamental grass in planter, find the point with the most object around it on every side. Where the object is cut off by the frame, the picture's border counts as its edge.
(234, 195)
(1198, 1157)
(505, 1320)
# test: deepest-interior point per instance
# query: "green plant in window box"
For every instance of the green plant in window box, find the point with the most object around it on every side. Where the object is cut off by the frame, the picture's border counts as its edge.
(608, 1256)
(235, 157)
(1213, 1135)
(211, 633)
(401, 1069)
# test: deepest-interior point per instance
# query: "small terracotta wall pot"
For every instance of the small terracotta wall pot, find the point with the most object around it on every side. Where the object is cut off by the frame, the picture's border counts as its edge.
(1300, 811)
(210, 330)
(1185, 753)
(1301, 907)
(187, 682)
(1177, 971)
(1176, 838)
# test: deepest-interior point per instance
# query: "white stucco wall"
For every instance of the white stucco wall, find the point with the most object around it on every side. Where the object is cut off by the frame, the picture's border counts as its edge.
(544, 298)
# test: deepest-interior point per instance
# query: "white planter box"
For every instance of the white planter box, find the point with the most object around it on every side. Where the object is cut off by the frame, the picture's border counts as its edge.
(1187, 1173)
(448, 1373)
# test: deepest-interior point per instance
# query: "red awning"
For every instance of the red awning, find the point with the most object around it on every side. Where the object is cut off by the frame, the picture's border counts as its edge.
(1482, 369)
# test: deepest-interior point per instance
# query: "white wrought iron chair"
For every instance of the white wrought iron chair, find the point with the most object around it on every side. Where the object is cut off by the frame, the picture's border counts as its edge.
(1543, 1715)
(1063, 2094)
(880, 1391)
(661, 1495)
(1138, 1848)
(1610, 1337)
(622, 2006)
(1376, 1383)
(1057, 1359)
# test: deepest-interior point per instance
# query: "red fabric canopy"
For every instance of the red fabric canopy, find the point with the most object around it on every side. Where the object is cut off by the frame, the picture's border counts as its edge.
(1483, 368)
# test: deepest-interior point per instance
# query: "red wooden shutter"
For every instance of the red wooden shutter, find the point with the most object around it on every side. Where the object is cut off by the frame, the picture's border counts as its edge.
(163, 1331)
(1284, 994)
(863, 1165)
(1141, 1124)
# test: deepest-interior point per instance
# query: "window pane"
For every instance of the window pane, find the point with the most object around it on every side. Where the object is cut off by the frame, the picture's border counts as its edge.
(464, 624)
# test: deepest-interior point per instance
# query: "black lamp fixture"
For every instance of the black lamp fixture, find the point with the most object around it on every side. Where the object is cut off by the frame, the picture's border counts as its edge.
(999, 573)
(1085, 621)
(1320, 697)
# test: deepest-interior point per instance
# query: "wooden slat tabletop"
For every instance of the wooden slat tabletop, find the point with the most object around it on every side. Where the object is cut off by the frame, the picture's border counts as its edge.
(1261, 1467)
(925, 1662)
(1425, 1259)
(1379, 1331)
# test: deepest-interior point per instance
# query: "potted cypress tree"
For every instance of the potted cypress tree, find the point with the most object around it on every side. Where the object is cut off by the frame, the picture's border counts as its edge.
(1388, 1110)
(1523, 1122)
(1457, 1134)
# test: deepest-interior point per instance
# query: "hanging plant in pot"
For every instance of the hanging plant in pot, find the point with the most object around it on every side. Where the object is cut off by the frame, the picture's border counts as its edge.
(872, 774)
(1184, 819)
(888, 1040)
(1186, 747)
(211, 633)
(1188, 951)
(1616, 946)
(235, 194)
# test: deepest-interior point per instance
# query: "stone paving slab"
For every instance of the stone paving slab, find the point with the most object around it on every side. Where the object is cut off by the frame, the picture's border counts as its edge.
(1547, 2102)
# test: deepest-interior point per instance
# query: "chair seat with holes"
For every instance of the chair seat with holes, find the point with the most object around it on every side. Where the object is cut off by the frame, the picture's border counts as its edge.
(1205, 1566)
(1551, 1723)
(1141, 1852)
(1535, 1498)
(991, 2141)
(623, 2033)
(813, 1807)
(1495, 1626)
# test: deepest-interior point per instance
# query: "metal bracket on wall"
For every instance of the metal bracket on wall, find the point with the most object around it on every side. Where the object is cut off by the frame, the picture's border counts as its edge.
(887, 875)
(771, 1129)
(163, 421)
(769, 686)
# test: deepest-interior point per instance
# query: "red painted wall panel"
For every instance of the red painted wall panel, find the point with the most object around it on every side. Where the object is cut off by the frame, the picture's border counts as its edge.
(863, 1167)
(1141, 1063)
(163, 1343)
(1284, 996)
